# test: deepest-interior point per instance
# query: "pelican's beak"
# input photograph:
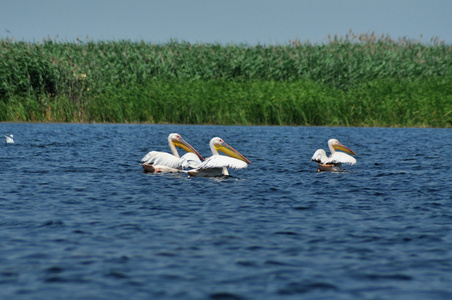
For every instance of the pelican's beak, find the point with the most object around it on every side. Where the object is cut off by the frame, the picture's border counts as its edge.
(344, 148)
(229, 151)
(186, 146)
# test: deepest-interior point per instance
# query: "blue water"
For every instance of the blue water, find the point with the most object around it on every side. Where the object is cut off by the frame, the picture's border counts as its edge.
(80, 220)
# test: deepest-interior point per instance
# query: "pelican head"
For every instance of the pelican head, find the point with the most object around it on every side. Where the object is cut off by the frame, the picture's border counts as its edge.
(334, 144)
(178, 141)
(218, 144)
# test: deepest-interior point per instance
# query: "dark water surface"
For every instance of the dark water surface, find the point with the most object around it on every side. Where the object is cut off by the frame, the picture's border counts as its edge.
(79, 218)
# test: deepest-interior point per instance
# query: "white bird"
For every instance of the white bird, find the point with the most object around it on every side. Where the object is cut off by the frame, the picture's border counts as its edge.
(9, 139)
(217, 165)
(336, 159)
(156, 162)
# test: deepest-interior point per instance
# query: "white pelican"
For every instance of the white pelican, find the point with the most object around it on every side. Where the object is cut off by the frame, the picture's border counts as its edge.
(336, 159)
(157, 162)
(217, 165)
(9, 139)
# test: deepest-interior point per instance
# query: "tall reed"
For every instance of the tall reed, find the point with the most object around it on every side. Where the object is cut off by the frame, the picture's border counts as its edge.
(294, 83)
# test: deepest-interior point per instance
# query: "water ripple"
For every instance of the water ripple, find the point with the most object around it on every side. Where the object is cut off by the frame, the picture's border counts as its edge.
(78, 217)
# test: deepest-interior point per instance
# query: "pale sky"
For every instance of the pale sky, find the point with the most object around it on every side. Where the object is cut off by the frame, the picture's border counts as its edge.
(224, 22)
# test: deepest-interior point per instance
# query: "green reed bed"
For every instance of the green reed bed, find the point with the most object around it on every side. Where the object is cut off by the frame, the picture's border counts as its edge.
(353, 81)
(379, 103)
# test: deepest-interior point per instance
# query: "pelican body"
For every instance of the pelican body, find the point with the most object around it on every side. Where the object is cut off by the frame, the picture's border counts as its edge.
(336, 159)
(156, 162)
(217, 165)
(9, 139)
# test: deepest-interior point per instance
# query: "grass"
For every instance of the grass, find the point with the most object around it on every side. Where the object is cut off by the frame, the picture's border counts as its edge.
(360, 80)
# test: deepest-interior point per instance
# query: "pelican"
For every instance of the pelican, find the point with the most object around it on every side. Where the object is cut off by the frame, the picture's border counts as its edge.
(156, 162)
(336, 159)
(9, 139)
(217, 165)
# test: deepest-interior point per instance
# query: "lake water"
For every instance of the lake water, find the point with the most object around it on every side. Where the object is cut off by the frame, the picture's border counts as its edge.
(80, 220)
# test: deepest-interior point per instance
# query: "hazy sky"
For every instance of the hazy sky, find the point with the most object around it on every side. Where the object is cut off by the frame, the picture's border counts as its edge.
(228, 21)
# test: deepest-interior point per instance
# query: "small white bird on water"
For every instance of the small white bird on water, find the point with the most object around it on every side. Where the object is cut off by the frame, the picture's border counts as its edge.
(9, 139)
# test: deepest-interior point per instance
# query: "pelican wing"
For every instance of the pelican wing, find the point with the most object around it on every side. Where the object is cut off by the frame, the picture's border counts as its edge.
(220, 161)
(341, 157)
(157, 158)
(190, 160)
(148, 156)
(320, 156)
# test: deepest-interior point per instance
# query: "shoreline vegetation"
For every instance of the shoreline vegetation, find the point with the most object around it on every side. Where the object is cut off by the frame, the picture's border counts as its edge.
(356, 80)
